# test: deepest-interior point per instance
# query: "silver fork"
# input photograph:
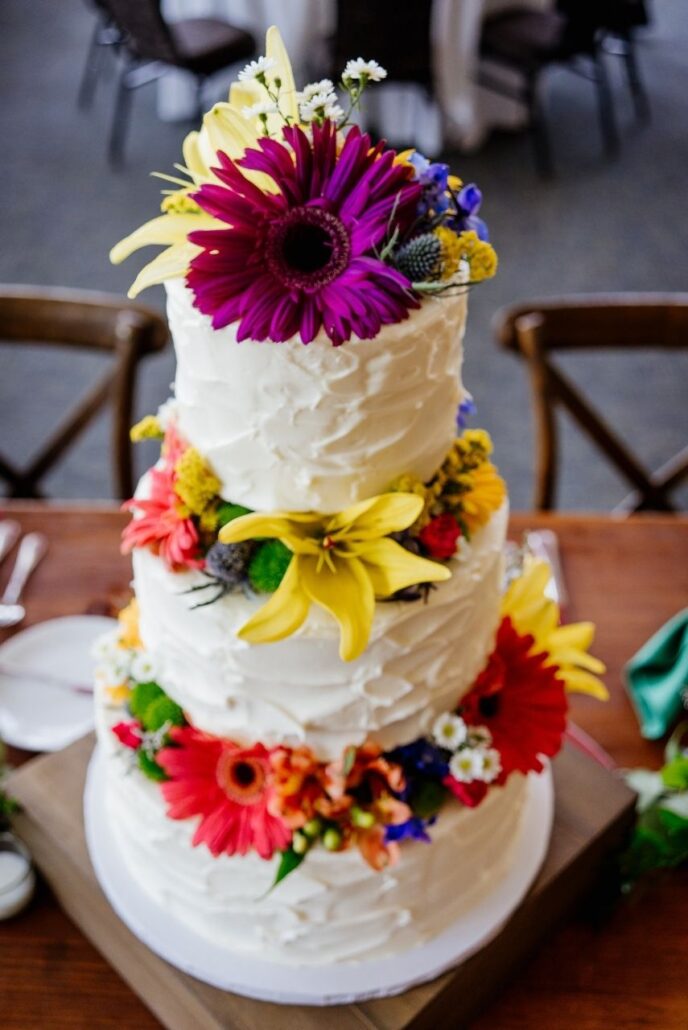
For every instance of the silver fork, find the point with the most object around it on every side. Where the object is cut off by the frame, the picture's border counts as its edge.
(32, 548)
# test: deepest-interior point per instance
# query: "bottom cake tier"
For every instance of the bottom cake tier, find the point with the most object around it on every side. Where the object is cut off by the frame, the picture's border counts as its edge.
(334, 908)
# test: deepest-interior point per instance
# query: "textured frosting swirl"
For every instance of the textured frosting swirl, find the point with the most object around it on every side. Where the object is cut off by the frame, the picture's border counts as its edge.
(288, 426)
(420, 659)
(333, 908)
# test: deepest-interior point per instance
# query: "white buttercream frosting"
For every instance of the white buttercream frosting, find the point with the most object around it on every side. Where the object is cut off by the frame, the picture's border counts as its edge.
(288, 426)
(334, 907)
(421, 658)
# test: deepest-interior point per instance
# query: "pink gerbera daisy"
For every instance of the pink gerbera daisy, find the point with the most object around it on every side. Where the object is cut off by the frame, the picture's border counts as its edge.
(305, 257)
(227, 786)
(157, 524)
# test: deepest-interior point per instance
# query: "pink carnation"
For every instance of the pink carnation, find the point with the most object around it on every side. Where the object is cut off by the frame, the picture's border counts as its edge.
(129, 734)
(229, 787)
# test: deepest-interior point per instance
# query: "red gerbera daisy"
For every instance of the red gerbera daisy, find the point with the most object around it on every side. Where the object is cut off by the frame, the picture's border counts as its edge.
(304, 257)
(227, 785)
(521, 700)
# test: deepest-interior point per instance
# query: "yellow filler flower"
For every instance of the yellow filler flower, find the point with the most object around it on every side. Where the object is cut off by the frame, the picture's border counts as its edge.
(341, 562)
(225, 127)
(532, 612)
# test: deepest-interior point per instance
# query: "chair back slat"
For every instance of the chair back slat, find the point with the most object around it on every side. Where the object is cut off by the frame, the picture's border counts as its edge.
(147, 33)
(537, 329)
(98, 322)
(383, 28)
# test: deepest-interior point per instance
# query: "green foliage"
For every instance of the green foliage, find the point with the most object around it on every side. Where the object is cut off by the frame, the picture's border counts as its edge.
(227, 512)
(142, 696)
(8, 804)
(427, 798)
(160, 711)
(150, 767)
(660, 838)
(268, 566)
(289, 861)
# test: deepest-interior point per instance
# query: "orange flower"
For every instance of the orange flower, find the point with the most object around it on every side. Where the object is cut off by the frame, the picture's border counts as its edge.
(299, 785)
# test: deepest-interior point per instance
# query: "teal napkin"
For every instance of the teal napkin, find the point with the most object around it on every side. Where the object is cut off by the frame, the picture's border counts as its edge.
(657, 675)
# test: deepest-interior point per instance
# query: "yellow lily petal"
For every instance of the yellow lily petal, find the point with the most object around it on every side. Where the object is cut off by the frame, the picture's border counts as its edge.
(347, 594)
(225, 129)
(163, 231)
(170, 264)
(528, 588)
(245, 94)
(584, 683)
(289, 527)
(577, 659)
(276, 50)
(576, 634)
(391, 567)
(283, 614)
(378, 516)
(192, 157)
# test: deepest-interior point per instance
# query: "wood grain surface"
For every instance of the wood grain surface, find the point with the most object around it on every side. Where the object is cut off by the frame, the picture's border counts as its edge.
(626, 969)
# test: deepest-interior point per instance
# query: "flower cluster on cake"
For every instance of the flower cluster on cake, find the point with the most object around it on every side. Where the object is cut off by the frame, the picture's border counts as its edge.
(326, 654)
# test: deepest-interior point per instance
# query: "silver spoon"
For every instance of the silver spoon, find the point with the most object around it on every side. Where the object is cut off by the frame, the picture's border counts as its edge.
(32, 548)
(9, 534)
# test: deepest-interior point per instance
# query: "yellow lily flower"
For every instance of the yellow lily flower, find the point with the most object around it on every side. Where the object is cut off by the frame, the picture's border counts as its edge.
(340, 562)
(224, 128)
(531, 612)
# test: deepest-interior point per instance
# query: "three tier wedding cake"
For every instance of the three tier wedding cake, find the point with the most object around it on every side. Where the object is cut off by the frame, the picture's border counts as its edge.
(321, 709)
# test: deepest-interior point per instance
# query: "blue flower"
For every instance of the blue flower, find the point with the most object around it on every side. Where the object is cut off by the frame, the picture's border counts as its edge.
(413, 829)
(433, 177)
(468, 201)
(466, 408)
(421, 757)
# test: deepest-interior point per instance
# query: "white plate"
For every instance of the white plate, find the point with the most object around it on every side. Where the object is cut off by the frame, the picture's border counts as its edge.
(321, 985)
(35, 714)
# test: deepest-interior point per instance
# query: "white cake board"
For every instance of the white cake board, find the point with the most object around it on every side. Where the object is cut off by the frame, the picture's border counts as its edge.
(338, 984)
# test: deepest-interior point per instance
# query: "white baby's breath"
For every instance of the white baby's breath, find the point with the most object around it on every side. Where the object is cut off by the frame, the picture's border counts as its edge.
(449, 731)
(256, 69)
(325, 86)
(359, 69)
(115, 670)
(106, 646)
(263, 107)
(143, 668)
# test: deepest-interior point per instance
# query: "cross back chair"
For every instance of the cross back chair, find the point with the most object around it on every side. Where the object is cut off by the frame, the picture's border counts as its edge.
(91, 321)
(537, 329)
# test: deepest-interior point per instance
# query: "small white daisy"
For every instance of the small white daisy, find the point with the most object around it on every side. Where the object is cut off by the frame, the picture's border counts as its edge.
(115, 670)
(106, 646)
(463, 765)
(256, 69)
(449, 730)
(488, 764)
(325, 86)
(333, 111)
(143, 668)
(358, 69)
(261, 108)
(479, 736)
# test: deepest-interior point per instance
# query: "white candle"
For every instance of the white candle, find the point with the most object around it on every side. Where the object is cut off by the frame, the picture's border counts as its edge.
(17, 880)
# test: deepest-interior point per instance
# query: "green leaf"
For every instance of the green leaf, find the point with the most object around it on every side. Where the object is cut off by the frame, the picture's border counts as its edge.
(227, 512)
(427, 798)
(675, 773)
(289, 861)
(143, 695)
(349, 759)
(163, 709)
(149, 767)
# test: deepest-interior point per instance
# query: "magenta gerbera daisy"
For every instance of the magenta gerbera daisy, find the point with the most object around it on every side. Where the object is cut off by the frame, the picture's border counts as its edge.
(305, 257)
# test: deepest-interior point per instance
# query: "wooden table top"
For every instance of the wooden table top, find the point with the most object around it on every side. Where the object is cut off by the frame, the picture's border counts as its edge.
(626, 969)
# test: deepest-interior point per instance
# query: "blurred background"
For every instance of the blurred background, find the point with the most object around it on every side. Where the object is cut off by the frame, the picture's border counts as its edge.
(594, 200)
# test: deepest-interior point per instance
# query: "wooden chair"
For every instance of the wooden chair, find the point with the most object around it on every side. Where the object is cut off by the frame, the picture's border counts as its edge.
(150, 46)
(92, 321)
(528, 42)
(536, 330)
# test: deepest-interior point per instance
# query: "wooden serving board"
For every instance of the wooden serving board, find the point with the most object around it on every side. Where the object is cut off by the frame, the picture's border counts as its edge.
(593, 812)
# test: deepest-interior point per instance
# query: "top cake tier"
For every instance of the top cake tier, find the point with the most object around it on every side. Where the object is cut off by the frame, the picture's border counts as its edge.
(316, 427)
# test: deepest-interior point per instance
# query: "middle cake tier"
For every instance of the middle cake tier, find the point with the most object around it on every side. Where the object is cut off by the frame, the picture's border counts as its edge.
(421, 658)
